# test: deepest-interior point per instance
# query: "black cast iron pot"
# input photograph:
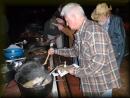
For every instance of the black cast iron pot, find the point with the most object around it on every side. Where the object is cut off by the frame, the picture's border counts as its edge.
(29, 71)
(42, 43)
(6, 74)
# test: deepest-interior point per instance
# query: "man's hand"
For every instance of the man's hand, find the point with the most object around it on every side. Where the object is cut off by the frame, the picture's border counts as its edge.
(53, 40)
(59, 20)
(51, 51)
(71, 70)
(60, 27)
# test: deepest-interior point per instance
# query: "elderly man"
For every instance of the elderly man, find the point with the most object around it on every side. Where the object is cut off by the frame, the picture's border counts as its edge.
(98, 70)
(114, 26)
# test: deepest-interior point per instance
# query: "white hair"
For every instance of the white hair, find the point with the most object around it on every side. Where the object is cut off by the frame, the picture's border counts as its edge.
(72, 9)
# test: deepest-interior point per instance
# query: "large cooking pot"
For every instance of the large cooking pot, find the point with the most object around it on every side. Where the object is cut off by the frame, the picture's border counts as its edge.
(46, 44)
(29, 71)
(38, 43)
(37, 57)
(7, 73)
(43, 43)
(31, 52)
(36, 49)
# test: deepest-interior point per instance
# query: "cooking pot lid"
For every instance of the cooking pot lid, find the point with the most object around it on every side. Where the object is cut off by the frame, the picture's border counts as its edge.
(13, 46)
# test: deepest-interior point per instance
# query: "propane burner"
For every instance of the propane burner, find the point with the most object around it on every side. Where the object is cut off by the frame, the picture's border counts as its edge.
(15, 63)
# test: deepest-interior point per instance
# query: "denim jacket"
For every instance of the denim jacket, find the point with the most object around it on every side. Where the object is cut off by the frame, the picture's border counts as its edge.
(117, 35)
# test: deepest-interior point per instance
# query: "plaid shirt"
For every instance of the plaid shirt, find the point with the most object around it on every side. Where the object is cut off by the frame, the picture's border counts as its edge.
(98, 70)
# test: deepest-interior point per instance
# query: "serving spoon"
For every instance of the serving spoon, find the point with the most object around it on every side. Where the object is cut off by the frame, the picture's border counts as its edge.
(46, 60)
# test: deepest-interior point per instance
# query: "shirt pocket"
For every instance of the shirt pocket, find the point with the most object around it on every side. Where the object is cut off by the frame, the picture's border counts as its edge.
(86, 53)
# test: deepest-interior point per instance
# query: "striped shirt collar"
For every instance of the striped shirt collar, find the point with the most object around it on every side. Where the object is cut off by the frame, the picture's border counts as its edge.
(82, 26)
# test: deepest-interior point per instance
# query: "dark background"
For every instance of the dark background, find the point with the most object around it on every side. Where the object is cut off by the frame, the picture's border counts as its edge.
(20, 13)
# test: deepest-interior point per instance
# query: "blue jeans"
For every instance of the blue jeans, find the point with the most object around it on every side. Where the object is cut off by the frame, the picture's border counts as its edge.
(107, 94)
(75, 60)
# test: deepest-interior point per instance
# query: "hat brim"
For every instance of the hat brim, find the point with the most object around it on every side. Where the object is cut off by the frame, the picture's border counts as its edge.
(96, 16)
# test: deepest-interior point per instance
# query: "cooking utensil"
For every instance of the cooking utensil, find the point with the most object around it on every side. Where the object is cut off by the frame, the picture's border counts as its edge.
(6, 74)
(30, 71)
(46, 60)
(54, 24)
(46, 75)
(41, 60)
(40, 83)
(21, 43)
(30, 51)
(33, 45)
(42, 43)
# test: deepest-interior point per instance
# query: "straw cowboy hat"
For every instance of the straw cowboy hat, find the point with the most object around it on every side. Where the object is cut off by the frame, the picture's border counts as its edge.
(100, 10)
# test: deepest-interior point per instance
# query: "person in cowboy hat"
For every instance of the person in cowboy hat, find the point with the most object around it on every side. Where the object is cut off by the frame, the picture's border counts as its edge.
(113, 24)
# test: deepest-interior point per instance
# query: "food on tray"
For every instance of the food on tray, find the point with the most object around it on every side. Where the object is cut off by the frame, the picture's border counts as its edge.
(62, 68)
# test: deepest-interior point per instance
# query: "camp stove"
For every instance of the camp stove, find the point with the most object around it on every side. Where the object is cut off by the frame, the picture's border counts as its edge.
(15, 63)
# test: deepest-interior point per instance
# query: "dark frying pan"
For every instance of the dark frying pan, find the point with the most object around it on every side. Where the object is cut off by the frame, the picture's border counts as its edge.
(6, 74)
(42, 43)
